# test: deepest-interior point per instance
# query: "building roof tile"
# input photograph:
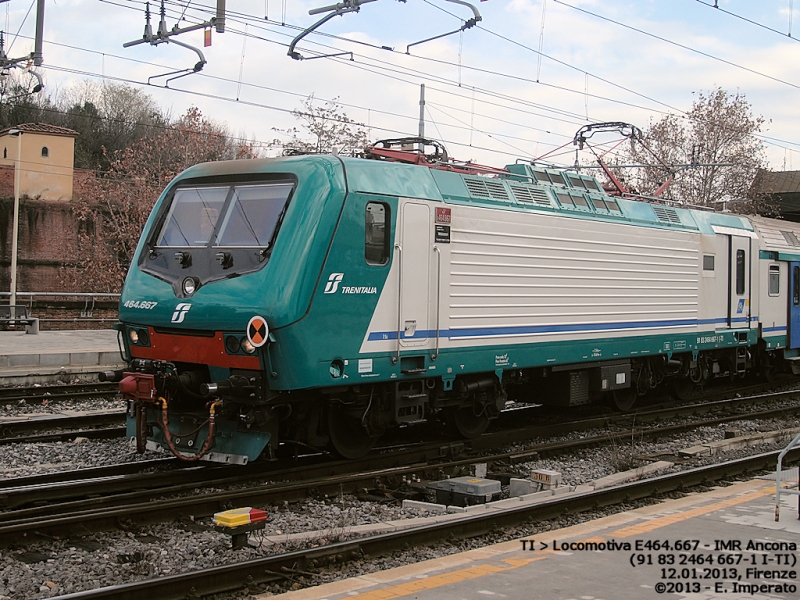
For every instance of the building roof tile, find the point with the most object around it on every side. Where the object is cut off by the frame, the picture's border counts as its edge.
(41, 128)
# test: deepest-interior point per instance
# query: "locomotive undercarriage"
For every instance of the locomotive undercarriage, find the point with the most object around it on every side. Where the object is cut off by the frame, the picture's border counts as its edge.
(352, 419)
(178, 408)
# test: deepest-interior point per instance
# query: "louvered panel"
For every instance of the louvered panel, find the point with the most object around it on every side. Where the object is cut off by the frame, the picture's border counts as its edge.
(486, 188)
(477, 188)
(667, 215)
(534, 195)
(497, 190)
(790, 238)
(773, 237)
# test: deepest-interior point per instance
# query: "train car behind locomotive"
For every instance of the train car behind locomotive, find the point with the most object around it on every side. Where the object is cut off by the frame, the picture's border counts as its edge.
(320, 300)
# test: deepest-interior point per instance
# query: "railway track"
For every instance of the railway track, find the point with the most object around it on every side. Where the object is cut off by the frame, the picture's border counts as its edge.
(231, 577)
(103, 502)
(62, 427)
(58, 393)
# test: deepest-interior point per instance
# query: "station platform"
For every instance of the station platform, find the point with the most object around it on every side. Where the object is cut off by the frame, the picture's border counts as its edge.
(723, 544)
(27, 359)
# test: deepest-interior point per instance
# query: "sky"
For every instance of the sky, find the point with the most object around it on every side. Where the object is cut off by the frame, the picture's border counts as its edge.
(518, 85)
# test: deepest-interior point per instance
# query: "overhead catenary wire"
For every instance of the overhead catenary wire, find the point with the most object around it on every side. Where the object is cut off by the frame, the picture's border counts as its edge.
(775, 140)
(479, 92)
(678, 44)
(751, 21)
(580, 92)
(771, 139)
(583, 92)
(394, 132)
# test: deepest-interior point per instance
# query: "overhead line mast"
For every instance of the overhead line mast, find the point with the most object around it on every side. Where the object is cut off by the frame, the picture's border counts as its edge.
(36, 57)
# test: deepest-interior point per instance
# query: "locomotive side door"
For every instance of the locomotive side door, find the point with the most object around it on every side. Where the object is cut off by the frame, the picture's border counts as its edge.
(739, 282)
(414, 249)
(794, 305)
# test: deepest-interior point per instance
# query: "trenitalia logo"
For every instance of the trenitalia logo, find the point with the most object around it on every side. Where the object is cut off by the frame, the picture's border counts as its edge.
(333, 283)
(180, 312)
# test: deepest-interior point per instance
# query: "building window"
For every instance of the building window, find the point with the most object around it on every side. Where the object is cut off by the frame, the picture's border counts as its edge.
(45, 152)
(774, 280)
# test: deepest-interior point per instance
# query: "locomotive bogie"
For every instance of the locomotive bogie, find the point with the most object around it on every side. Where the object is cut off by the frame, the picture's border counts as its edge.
(321, 301)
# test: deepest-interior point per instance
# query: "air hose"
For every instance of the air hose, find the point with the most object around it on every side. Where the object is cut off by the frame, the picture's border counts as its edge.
(209, 439)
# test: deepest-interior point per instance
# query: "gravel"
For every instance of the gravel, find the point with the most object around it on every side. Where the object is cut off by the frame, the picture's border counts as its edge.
(48, 568)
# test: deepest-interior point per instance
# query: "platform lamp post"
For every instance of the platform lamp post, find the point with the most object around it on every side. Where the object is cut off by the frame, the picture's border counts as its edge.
(15, 232)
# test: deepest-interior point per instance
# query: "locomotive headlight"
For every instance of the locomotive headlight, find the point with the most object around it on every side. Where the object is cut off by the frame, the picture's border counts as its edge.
(247, 346)
(189, 286)
(232, 344)
(133, 336)
(336, 368)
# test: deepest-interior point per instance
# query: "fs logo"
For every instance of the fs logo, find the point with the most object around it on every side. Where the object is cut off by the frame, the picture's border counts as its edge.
(333, 283)
(180, 312)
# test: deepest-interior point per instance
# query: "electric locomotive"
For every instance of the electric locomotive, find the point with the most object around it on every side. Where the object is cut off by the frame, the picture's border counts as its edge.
(318, 301)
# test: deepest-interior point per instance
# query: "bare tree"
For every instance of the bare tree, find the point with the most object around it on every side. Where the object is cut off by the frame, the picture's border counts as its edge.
(717, 137)
(109, 117)
(328, 127)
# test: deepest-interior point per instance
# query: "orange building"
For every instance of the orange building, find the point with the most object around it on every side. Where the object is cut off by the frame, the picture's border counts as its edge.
(47, 159)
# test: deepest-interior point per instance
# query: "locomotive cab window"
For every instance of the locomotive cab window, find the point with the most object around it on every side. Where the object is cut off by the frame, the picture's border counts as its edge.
(252, 215)
(376, 235)
(774, 280)
(708, 262)
(240, 216)
(192, 217)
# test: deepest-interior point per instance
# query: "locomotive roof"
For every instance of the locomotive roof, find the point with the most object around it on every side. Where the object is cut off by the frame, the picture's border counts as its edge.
(780, 240)
(535, 189)
(525, 188)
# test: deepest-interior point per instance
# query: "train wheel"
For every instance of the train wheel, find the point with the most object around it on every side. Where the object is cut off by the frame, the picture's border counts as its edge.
(468, 424)
(348, 437)
(624, 399)
(683, 389)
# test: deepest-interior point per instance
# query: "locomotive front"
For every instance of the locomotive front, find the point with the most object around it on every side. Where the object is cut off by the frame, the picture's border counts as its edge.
(230, 250)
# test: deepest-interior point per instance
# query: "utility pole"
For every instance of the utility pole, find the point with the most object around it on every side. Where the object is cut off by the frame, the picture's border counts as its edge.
(421, 115)
(37, 45)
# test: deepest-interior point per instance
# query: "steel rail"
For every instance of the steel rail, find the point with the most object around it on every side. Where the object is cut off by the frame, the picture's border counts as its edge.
(227, 578)
(59, 493)
(16, 430)
(57, 393)
(107, 512)
(107, 488)
(88, 473)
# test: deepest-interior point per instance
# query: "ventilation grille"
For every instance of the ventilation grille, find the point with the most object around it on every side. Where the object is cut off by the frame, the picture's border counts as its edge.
(790, 238)
(533, 195)
(486, 188)
(667, 215)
